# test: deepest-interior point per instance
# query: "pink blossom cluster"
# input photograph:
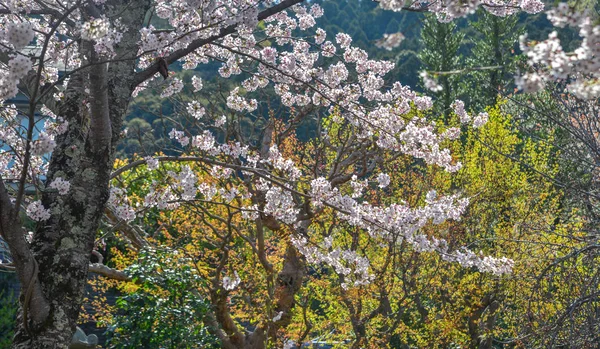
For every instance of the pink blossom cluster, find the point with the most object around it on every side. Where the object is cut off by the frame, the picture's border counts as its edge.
(390, 41)
(230, 283)
(220, 121)
(160, 197)
(239, 103)
(196, 110)
(480, 120)
(56, 126)
(286, 165)
(18, 67)
(43, 145)
(281, 205)
(185, 183)
(19, 34)
(150, 41)
(197, 83)
(299, 81)
(550, 62)
(204, 141)
(447, 10)
(459, 109)
(172, 87)
(405, 222)
(355, 268)
(61, 185)
(151, 162)
(383, 180)
(180, 137)
(220, 172)
(358, 187)
(37, 211)
(103, 33)
(95, 29)
(119, 203)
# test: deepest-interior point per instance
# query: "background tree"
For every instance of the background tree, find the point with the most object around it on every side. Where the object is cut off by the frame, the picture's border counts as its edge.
(440, 53)
(494, 45)
(8, 314)
(576, 143)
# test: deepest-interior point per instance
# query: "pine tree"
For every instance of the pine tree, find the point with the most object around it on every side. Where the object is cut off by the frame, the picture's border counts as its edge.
(440, 53)
(493, 46)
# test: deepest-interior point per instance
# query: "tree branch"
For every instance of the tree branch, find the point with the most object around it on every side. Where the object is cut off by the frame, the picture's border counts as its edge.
(466, 70)
(108, 272)
(153, 69)
(100, 126)
(23, 258)
(133, 233)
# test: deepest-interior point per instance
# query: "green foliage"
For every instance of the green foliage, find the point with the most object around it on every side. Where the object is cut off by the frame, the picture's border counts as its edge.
(510, 203)
(166, 311)
(8, 315)
(494, 46)
(440, 53)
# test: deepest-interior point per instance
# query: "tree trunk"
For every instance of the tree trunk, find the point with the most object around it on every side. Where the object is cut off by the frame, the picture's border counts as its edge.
(62, 246)
(289, 281)
(84, 155)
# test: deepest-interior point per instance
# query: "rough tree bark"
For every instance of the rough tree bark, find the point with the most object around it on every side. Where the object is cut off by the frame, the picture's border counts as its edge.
(53, 268)
(84, 155)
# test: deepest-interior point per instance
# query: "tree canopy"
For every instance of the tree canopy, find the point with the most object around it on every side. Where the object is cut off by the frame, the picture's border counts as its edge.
(254, 172)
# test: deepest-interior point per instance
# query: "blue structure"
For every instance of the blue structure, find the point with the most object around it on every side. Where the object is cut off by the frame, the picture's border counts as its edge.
(8, 279)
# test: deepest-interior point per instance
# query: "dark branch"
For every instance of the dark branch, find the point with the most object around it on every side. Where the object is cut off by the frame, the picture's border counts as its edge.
(108, 272)
(153, 69)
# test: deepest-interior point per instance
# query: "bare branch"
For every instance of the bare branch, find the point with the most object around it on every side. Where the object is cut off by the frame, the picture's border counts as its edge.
(466, 70)
(133, 233)
(100, 125)
(23, 258)
(108, 272)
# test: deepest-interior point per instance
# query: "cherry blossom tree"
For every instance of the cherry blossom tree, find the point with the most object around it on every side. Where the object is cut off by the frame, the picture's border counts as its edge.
(79, 63)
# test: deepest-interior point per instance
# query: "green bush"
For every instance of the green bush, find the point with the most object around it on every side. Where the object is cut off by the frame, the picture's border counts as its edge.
(8, 314)
(166, 311)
